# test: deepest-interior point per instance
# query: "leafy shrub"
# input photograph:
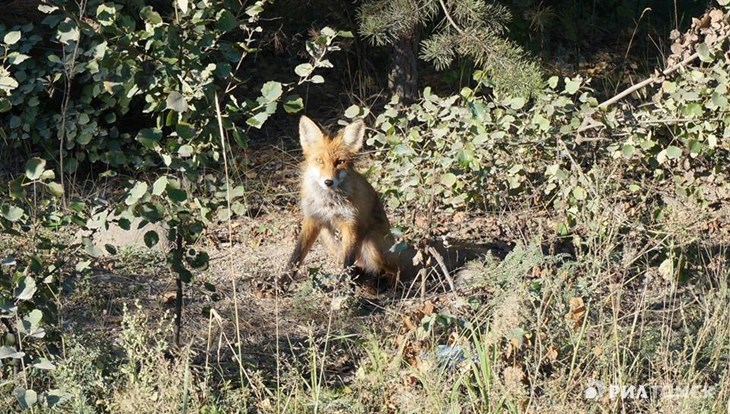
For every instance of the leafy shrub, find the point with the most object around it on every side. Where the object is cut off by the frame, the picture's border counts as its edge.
(465, 150)
(33, 272)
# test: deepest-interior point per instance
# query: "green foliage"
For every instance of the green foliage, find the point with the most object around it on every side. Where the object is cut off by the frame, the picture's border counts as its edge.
(383, 22)
(32, 274)
(465, 150)
(125, 89)
(473, 29)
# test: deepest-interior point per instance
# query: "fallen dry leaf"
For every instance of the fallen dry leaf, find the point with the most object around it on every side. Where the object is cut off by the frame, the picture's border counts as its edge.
(577, 312)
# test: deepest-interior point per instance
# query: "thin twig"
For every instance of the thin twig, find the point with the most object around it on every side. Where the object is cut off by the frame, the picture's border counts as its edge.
(448, 17)
(653, 79)
(68, 72)
(589, 123)
(440, 260)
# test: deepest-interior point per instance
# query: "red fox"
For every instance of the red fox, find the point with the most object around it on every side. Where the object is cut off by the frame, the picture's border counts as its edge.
(336, 200)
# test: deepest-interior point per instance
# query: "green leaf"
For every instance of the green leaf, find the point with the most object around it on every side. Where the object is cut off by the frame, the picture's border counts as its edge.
(271, 91)
(466, 155)
(34, 168)
(669, 87)
(579, 193)
(673, 152)
(317, 79)
(199, 260)
(110, 248)
(185, 151)
(56, 189)
(176, 102)
(149, 137)
(304, 70)
(692, 110)
(241, 138)
(68, 32)
(517, 103)
(5, 104)
(254, 10)
(572, 85)
(225, 21)
(553, 82)
(541, 122)
(719, 100)
(185, 130)
(26, 288)
(124, 224)
(328, 32)
(10, 352)
(695, 147)
(32, 320)
(448, 180)
(293, 104)
(175, 194)
(16, 58)
(48, 175)
(26, 398)
(46, 9)
(106, 13)
(55, 396)
(703, 51)
(159, 185)
(11, 213)
(479, 111)
(151, 238)
(150, 16)
(17, 191)
(184, 274)
(44, 364)
(11, 38)
(712, 141)
(627, 150)
(352, 111)
(136, 193)
(8, 83)
(183, 5)
(258, 120)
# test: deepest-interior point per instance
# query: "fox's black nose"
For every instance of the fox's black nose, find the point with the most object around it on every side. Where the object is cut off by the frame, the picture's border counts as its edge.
(328, 183)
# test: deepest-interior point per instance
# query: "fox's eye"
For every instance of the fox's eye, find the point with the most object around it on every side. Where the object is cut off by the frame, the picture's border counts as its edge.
(318, 160)
(338, 162)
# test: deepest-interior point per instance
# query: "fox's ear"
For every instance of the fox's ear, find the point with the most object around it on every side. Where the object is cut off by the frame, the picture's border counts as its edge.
(309, 133)
(353, 135)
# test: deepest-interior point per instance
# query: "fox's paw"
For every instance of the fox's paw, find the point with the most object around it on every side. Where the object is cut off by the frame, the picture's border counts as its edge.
(271, 286)
(376, 284)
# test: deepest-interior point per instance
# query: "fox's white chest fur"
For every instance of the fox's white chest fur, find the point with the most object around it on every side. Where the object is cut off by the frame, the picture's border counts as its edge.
(326, 204)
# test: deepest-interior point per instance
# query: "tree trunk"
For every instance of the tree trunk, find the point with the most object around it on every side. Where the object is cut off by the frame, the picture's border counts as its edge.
(403, 70)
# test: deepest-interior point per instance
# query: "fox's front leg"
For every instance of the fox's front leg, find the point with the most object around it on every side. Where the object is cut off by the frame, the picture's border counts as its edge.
(309, 233)
(351, 245)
